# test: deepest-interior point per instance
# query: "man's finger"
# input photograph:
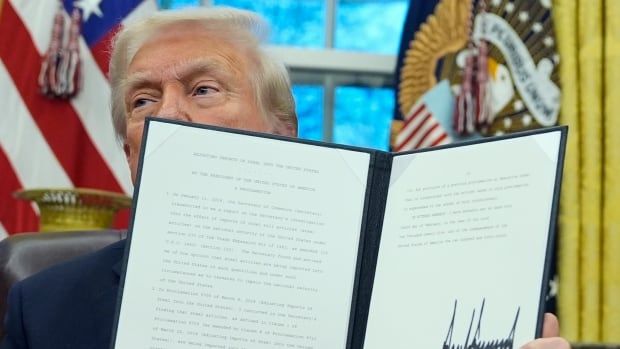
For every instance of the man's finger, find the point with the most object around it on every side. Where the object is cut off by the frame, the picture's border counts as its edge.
(551, 326)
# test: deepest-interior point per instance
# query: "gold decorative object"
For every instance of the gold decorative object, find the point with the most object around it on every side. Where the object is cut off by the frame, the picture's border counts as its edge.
(522, 61)
(75, 208)
(444, 32)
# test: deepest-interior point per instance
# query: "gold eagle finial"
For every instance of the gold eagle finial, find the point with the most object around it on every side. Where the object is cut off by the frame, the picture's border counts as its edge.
(446, 31)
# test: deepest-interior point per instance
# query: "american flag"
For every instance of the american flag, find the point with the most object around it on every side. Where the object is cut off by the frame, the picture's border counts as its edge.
(50, 142)
(420, 130)
(417, 126)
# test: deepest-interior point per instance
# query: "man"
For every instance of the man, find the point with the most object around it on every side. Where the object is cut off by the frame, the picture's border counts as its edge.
(201, 66)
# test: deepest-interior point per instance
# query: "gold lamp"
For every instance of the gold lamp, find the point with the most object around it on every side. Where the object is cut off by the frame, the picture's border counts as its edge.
(63, 209)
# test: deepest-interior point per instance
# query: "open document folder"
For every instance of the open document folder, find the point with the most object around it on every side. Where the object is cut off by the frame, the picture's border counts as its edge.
(246, 240)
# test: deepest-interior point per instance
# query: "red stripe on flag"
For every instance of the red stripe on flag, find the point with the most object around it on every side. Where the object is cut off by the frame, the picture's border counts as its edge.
(16, 215)
(425, 135)
(57, 120)
(439, 140)
(421, 107)
(121, 221)
(416, 130)
(102, 49)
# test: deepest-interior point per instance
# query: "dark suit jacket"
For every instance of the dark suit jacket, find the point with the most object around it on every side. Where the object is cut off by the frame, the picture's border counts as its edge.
(71, 305)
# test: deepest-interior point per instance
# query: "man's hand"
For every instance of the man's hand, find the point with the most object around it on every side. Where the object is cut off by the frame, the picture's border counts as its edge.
(550, 336)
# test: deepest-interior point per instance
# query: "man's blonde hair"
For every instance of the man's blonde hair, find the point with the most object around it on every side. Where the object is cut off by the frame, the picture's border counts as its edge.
(271, 84)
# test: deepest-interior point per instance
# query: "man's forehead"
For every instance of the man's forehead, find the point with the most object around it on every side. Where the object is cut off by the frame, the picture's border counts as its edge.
(184, 46)
(184, 50)
(191, 36)
(181, 69)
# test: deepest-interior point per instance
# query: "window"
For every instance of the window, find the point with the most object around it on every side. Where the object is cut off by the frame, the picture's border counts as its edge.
(309, 105)
(359, 28)
(299, 22)
(362, 116)
(341, 55)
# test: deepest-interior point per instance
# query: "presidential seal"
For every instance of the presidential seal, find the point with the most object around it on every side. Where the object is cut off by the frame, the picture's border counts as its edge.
(499, 60)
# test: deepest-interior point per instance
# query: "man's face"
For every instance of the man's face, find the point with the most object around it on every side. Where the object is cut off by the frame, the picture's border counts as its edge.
(186, 73)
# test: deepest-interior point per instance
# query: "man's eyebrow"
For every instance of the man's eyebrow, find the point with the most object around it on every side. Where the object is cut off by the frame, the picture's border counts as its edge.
(137, 81)
(184, 72)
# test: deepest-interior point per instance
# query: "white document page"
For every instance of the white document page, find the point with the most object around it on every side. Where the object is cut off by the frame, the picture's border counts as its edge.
(463, 245)
(241, 242)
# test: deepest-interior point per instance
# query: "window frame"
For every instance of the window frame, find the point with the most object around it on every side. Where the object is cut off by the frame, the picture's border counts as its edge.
(331, 67)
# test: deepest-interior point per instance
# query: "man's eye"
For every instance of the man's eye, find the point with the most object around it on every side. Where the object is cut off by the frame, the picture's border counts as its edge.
(204, 90)
(140, 102)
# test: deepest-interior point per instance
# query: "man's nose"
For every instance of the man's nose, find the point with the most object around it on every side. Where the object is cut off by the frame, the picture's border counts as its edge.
(174, 104)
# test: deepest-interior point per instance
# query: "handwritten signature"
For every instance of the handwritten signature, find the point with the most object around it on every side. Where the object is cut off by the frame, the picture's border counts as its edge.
(476, 342)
